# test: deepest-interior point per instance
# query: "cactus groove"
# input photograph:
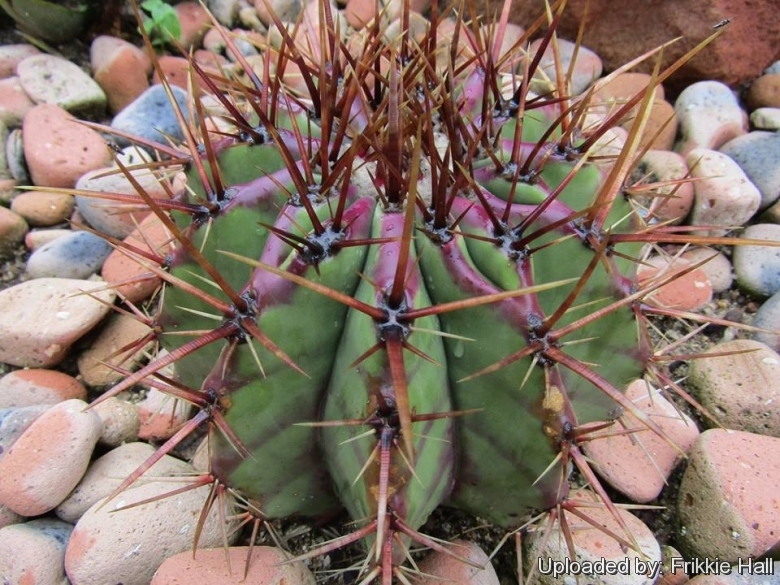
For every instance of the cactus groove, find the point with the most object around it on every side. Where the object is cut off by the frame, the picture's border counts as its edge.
(402, 280)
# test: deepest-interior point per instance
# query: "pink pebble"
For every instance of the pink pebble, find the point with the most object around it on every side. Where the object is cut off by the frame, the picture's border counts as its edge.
(638, 465)
(688, 291)
(121, 69)
(209, 567)
(49, 459)
(727, 503)
(439, 567)
(161, 415)
(58, 149)
(35, 386)
(14, 102)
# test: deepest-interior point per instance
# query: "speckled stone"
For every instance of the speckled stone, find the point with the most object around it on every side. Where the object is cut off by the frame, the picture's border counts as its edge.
(120, 68)
(78, 255)
(765, 118)
(758, 154)
(38, 238)
(107, 473)
(40, 319)
(43, 208)
(14, 421)
(438, 567)
(592, 544)
(58, 149)
(666, 203)
(723, 195)
(49, 459)
(741, 390)
(639, 465)
(131, 544)
(120, 421)
(757, 268)
(33, 553)
(161, 415)
(716, 266)
(49, 79)
(727, 503)
(709, 116)
(587, 67)
(682, 290)
(209, 567)
(30, 387)
(114, 346)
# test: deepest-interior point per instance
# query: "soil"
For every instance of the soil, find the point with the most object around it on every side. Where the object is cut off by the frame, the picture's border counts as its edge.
(445, 523)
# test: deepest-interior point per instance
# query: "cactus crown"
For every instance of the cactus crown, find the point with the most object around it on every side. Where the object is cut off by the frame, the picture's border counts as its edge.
(402, 278)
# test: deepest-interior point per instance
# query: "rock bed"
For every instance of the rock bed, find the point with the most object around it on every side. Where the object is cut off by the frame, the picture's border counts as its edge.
(51, 478)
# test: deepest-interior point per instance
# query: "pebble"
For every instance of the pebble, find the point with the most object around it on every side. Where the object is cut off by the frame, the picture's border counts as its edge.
(37, 238)
(286, 10)
(9, 517)
(177, 72)
(765, 118)
(757, 268)
(666, 203)
(744, 577)
(14, 421)
(115, 345)
(58, 149)
(225, 11)
(33, 553)
(194, 21)
(49, 459)
(43, 208)
(114, 218)
(151, 116)
(78, 255)
(639, 465)
(742, 391)
(210, 567)
(587, 67)
(120, 421)
(107, 473)
(768, 317)
(14, 102)
(709, 116)
(727, 504)
(439, 568)
(758, 154)
(716, 266)
(13, 228)
(30, 387)
(7, 190)
(12, 55)
(672, 572)
(15, 157)
(139, 283)
(723, 195)
(592, 545)
(161, 415)
(764, 92)
(686, 292)
(121, 69)
(49, 79)
(131, 544)
(40, 319)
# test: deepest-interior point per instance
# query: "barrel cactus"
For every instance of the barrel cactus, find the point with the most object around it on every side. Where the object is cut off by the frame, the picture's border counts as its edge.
(402, 281)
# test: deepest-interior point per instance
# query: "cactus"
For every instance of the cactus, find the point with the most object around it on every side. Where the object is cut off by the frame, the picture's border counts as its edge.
(399, 285)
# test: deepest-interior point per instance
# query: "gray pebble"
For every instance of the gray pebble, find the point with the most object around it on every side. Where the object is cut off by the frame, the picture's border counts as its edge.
(225, 11)
(14, 156)
(773, 68)
(78, 255)
(758, 154)
(151, 116)
(768, 317)
(757, 268)
(14, 421)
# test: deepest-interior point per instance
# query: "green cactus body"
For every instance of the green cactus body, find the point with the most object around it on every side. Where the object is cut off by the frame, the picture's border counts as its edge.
(420, 304)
